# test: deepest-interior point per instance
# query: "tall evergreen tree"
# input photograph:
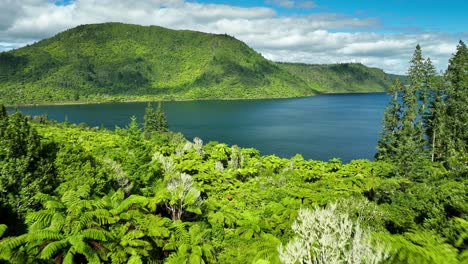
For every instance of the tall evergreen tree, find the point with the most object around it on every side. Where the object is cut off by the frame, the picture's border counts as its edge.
(161, 122)
(412, 124)
(435, 121)
(387, 145)
(151, 121)
(403, 137)
(155, 121)
(457, 107)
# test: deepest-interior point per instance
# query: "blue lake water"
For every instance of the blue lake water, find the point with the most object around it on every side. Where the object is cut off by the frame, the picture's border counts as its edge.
(345, 126)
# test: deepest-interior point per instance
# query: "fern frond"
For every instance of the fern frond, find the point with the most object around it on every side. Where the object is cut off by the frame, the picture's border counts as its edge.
(68, 259)
(139, 201)
(41, 218)
(3, 228)
(135, 259)
(53, 248)
(95, 234)
(83, 248)
(43, 235)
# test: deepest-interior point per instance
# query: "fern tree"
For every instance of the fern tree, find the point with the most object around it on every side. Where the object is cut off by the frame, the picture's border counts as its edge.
(179, 193)
(67, 230)
(190, 244)
(388, 142)
(419, 247)
(138, 234)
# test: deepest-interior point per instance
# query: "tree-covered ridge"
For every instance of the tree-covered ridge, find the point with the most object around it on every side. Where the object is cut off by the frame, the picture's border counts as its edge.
(114, 61)
(341, 78)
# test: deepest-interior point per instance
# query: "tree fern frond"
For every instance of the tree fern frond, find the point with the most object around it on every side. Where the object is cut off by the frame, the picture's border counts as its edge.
(43, 235)
(43, 198)
(137, 200)
(3, 228)
(180, 232)
(135, 259)
(40, 219)
(11, 243)
(68, 259)
(83, 248)
(53, 248)
(95, 234)
(419, 247)
(57, 222)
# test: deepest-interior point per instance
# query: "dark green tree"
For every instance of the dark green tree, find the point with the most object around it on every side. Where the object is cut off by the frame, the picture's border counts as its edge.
(155, 121)
(457, 107)
(3, 112)
(435, 121)
(25, 167)
(403, 137)
(412, 123)
(161, 122)
(151, 121)
(133, 129)
(391, 123)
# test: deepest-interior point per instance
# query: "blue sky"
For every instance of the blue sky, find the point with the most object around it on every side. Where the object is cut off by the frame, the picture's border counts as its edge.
(377, 33)
(395, 15)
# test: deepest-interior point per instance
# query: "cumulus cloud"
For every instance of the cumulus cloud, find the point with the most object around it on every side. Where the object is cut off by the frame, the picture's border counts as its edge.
(292, 3)
(315, 38)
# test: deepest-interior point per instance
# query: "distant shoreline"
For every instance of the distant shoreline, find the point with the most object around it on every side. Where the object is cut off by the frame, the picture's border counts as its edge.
(175, 100)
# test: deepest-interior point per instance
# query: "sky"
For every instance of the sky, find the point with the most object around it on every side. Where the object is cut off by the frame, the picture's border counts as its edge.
(377, 33)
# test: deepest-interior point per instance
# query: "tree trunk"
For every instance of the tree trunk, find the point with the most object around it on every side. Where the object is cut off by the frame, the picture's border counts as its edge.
(433, 145)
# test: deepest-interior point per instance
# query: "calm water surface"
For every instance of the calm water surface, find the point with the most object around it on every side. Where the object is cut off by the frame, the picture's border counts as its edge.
(321, 127)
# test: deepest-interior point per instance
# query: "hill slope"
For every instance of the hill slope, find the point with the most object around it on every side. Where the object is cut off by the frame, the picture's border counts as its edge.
(114, 61)
(341, 78)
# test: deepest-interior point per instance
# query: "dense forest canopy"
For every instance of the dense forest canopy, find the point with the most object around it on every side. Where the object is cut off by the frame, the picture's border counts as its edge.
(74, 194)
(121, 62)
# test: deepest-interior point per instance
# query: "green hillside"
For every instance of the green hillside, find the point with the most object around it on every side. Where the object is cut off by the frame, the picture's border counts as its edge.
(341, 78)
(117, 62)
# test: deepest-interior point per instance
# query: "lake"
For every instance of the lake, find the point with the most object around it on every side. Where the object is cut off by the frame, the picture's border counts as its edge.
(322, 127)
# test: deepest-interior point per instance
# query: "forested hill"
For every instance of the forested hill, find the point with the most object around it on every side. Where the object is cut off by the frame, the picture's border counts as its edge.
(114, 61)
(341, 78)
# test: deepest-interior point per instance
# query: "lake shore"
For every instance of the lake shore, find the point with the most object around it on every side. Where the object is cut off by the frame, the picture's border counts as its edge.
(143, 100)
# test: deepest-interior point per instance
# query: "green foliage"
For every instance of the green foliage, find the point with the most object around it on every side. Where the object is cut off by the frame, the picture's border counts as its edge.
(341, 78)
(124, 199)
(425, 120)
(122, 62)
(420, 247)
(25, 168)
(151, 196)
(115, 62)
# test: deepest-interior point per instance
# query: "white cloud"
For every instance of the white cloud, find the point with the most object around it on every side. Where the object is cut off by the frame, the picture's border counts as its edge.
(292, 3)
(316, 38)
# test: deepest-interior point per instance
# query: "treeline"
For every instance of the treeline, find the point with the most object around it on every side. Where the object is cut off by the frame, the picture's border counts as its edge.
(144, 194)
(427, 120)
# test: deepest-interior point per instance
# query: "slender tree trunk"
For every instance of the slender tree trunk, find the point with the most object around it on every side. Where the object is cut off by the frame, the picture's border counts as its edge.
(433, 144)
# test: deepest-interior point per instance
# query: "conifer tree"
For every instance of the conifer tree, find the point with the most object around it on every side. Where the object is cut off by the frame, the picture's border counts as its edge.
(435, 122)
(151, 121)
(457, 107)
(387, 144)
(403, 137)
(161, 122)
